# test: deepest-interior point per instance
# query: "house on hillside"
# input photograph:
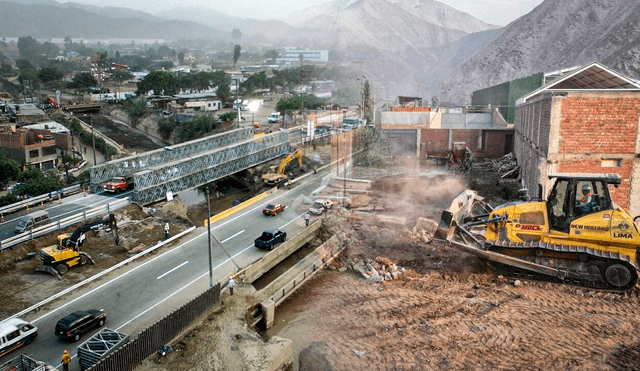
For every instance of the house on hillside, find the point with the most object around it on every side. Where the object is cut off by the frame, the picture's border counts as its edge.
(34, 147)
(587, 121)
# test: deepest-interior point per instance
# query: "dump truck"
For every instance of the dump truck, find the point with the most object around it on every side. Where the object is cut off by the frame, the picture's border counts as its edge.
(57, 259)
(576, 236)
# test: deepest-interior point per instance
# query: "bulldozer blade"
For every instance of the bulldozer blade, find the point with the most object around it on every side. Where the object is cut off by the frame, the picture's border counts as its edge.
(460, 207)
(48, 269)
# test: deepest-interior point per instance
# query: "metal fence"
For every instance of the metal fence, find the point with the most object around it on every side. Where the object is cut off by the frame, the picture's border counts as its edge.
(35, 200)
(62, 223)
(149, 341)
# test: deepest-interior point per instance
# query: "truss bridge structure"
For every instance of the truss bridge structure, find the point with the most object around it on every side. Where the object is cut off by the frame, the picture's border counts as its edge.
(192, 164)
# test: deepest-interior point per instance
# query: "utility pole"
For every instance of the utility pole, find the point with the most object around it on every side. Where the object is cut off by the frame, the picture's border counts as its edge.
(237, 104)
(206, 192)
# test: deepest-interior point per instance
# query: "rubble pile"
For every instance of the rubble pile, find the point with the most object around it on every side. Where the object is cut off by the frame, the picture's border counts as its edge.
(506, 166)
(381, 269)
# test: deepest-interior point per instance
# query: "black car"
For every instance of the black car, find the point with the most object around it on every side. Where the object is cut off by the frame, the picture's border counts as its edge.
(73, 326)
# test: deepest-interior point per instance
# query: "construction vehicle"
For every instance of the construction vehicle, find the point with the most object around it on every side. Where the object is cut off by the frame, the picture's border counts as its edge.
(460, 157)
(577, 236)
(276, 176)
(57, 259)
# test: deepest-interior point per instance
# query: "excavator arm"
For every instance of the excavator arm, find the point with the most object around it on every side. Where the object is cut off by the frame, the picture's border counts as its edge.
(109, 220)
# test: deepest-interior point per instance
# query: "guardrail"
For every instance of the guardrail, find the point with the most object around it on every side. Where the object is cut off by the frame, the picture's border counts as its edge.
(34, 200)
(96, 276)
(62, 223)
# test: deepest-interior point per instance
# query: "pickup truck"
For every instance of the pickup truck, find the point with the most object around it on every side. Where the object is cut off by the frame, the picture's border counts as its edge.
(274, 117)
(272, 210)
(269, 238)
(117, 184)
(320, 206)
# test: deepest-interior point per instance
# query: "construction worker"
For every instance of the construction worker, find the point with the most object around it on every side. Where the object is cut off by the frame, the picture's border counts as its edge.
(306, 219)
(166, 231)
(289, 183)
(584, 204)
(231, 285)
(315, 169)
(66, 358)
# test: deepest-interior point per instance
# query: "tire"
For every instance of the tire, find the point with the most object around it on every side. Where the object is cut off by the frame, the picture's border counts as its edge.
(76, 338)
(117, 190)
(271, 247)
(101, 323)
(62, 268)
(284, 238)
(618, 275)
(83, 259)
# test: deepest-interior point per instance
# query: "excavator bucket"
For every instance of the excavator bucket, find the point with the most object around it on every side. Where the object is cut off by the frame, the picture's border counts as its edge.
(461, 208)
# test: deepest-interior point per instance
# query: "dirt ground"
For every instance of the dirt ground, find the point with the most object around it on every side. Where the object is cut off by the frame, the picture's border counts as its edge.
(136, 230)
(447, 311)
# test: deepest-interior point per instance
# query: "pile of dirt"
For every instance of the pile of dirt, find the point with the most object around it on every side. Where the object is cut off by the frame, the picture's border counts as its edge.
(136, 229)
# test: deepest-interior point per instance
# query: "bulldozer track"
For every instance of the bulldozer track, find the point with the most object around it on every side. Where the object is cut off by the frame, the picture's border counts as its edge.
(589, 256)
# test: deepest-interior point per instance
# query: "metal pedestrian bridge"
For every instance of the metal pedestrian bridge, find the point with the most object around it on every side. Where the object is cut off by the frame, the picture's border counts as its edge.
(191, 164)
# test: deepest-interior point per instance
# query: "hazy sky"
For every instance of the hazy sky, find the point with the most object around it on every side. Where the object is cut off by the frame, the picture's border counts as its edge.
(499, 12)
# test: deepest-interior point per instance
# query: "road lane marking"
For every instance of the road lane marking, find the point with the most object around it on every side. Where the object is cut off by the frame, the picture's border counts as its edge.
(162, 275)
(235, 235)
(163, 254)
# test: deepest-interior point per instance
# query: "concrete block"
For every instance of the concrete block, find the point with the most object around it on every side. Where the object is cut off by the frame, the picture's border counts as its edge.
(268, 312)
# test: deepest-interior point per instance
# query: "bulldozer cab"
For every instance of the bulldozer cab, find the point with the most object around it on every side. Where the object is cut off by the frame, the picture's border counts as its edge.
(574, 196)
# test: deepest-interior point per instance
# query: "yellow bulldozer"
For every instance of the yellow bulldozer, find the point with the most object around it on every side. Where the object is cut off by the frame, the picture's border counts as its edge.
(576, 236)
(277, 175)
(57, 259)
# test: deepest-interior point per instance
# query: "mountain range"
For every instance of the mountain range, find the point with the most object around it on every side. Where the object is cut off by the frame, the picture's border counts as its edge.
(405, 47)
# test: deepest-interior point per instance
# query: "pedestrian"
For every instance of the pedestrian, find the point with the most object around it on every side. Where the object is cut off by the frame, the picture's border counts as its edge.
(85, 150)
(166, 231)
(315, 169)
(306, 219)
(66, 358)
(231, 285)
(289, 183)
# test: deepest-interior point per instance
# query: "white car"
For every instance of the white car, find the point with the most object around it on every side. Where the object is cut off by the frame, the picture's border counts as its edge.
(274, 117)
(320, 206)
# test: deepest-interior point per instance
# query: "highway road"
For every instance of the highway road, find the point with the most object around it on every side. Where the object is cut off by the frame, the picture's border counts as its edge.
(70, 205)
(142, 293)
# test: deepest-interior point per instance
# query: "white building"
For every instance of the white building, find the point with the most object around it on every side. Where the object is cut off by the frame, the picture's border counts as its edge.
(293, 55)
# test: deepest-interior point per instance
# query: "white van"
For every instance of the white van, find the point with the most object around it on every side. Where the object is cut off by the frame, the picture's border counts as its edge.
(33, 220)
(14, 333)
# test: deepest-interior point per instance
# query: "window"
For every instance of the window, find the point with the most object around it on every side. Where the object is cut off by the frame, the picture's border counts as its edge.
(34, 153)
(27, 327)
(616, 162)
(48, 151)
(13, 335)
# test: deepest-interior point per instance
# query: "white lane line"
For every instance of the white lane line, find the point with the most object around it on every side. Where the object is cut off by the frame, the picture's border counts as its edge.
(163, 254)
(117, 278)
(164, 274)
(235, 235)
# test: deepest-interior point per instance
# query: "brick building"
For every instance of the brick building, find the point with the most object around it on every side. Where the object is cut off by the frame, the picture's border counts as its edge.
(585, 122)
(33, 147)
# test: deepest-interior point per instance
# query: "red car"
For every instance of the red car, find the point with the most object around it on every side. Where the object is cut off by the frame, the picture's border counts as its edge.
(272, 209)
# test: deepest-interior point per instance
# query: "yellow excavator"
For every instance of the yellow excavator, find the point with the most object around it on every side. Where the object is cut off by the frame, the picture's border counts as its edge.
(276, 176)
(57, 259)
(577, 236)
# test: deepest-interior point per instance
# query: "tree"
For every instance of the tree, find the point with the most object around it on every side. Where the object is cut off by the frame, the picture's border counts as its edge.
(271, 55)
(47, 74)
(435, 101)
(28, 47)
(6, 69)
(164, 65)
(24, 64)
(117, 54)
(162, 83)
(136, 109)
(9, 169)
(67, 43)
(236, 54)
(27, 74)
(366, 106)
(223, 92)
(83, 80)
(49, 49)
(181, 58)
(236, 34)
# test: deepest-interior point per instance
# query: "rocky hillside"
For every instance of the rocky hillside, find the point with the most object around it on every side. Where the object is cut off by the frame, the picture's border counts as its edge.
(556, 34)
(430, 11)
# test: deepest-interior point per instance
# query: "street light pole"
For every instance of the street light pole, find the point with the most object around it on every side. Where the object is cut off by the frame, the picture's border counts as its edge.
(206, 192)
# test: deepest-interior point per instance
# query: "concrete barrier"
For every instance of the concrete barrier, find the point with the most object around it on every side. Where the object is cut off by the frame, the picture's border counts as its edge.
(271, 259)
(239, 207)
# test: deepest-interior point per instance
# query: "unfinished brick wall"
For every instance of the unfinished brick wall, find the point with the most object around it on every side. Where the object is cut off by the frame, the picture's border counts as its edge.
(469, 136)
(599, 125)
(495, 142)
(531, 140)
(434, 142)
